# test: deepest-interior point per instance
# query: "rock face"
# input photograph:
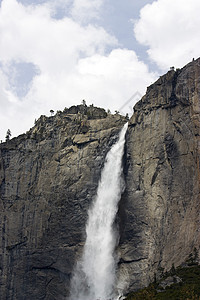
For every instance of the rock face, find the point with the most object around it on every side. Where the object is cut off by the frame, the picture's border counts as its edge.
(160, 210)
(48, 178)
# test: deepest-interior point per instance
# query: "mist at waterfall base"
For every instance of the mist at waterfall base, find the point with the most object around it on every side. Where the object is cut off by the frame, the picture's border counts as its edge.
(94, 276)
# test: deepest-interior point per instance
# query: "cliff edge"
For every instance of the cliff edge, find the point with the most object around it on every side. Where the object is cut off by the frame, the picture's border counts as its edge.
(160, 209)
(48, 178)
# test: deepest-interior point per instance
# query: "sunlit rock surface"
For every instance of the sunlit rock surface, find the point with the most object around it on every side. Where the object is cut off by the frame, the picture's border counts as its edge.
(160, 209)
(49, 176)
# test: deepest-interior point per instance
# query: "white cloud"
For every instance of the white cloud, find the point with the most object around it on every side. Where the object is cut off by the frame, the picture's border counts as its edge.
(72, 63)
(170, 28)
(9, 105)
(114, 78)
(84, 10)
(32, 35)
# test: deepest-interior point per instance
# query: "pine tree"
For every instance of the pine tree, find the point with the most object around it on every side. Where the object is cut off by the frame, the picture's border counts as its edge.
(8, 135)
(52, 112)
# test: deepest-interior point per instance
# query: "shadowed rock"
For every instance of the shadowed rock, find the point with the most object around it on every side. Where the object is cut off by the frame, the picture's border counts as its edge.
(160, 208)
(49, 176)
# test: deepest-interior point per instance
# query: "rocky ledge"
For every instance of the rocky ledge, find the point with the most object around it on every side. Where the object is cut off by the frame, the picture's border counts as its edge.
(160, 209)
(48, 178)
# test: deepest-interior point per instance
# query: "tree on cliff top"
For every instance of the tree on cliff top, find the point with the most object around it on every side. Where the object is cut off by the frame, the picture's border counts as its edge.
(52, 112)
(84, 102)
(8, 135)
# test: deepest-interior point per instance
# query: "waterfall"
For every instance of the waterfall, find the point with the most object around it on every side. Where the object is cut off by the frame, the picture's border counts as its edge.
(94, 276)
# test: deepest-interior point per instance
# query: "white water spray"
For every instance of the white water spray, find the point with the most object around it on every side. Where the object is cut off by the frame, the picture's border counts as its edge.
(94, 277)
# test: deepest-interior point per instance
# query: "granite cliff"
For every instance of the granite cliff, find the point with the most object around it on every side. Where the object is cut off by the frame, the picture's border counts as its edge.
(160, 210)
(49, 176)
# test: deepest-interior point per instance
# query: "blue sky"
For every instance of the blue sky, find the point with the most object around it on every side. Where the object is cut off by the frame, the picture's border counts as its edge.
(54, 53)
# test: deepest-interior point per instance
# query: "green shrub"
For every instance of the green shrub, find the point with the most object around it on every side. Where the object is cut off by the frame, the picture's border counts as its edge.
(188, 289)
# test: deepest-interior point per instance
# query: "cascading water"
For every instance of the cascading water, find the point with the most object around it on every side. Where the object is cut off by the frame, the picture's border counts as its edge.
(94, 276)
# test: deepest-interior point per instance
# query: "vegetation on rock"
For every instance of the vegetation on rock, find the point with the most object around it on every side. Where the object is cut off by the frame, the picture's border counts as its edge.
(8, 135)
(188, 288)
